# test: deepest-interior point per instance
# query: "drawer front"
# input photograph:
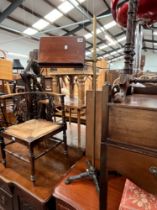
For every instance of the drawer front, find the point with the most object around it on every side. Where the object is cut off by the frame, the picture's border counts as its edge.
(26, 201)
(134, 126)
(60, 205)
(137, 167)
(6, 200)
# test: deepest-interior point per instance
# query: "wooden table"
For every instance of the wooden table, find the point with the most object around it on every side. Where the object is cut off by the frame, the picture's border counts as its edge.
(82, 194)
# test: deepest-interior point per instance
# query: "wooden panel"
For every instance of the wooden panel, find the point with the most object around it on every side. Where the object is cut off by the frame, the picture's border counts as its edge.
(62, 50)
(26, 201)
(6, 69)
(90, 123)
(102, 68)
(134, 166)
(60, 205)
(134, 126)
(6, 198)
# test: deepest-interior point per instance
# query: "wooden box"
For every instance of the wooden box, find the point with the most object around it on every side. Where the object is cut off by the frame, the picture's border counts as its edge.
(6, 69)
(66, 51)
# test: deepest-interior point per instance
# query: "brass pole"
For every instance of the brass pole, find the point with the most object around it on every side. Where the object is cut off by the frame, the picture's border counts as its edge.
(94, 88)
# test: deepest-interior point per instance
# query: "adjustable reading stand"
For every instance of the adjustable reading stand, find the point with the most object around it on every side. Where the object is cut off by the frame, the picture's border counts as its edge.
(90, 171)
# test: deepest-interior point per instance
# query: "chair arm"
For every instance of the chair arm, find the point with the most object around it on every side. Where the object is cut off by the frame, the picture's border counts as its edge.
(52, 93)
(8, 96)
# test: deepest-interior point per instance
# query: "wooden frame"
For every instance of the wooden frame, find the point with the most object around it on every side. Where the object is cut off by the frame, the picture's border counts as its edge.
(26, 134)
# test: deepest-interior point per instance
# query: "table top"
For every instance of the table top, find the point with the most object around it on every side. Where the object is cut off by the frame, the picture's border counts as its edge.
(82, 194)
(141, 101)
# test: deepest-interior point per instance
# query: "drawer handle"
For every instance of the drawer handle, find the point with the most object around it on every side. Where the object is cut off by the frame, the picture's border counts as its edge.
(153, 170)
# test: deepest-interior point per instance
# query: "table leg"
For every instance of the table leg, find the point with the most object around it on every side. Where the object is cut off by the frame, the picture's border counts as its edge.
(70, 110)
(2, 145)
(79, 127)
(65, 142)
(32, 159)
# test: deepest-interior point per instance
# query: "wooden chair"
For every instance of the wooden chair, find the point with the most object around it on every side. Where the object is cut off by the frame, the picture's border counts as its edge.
(36, 121)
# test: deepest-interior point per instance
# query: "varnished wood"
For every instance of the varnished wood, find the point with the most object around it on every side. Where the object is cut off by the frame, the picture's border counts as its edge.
(130, 145)
(134, 166)
(139, 101)
(82, 194)
(89, 123)
(134, 120)
(49, 170)
(62, 51)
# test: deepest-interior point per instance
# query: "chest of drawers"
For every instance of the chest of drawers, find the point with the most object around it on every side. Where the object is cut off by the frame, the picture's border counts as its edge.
(129, 142)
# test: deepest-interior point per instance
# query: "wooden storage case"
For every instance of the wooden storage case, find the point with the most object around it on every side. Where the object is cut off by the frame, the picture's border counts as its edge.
(5, 67)
(61, 51)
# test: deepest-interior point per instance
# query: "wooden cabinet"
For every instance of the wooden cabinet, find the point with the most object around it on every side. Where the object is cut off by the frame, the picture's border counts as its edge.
(13, 197)
(128, 143)
(61, 205)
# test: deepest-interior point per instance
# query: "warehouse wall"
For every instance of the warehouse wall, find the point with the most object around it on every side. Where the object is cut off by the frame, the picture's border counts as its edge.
(150, 62)
(14, 44)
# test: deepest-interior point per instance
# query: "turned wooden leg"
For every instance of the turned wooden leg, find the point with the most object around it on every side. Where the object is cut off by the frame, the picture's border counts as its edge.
(65, 142)
(2, 145)
(79, 127)
(32, 159)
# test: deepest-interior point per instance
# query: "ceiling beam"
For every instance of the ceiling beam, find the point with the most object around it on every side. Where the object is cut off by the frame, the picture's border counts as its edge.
(150, 40)
(10, 9)
(149, 48)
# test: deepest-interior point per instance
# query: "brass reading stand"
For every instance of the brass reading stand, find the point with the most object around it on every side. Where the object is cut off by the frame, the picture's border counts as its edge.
(90, 171)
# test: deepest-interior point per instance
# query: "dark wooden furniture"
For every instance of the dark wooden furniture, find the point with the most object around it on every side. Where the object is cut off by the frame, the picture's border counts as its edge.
(82, 194)
(128, 144)
(40, 123)
(17, 191)
(90, 125)
(62, 51)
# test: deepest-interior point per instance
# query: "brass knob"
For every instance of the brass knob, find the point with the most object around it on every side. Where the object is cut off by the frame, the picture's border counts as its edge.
(153, 170)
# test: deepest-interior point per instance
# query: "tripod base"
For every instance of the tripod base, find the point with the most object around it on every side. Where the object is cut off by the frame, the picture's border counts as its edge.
(89, 173)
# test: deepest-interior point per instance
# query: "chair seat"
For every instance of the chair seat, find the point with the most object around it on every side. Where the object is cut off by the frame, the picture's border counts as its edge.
(32, 129)
(135, 198)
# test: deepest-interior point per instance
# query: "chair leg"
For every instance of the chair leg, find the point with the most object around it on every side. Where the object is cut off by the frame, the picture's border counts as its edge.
(65, 142)
(32, 159)
(2, 145)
